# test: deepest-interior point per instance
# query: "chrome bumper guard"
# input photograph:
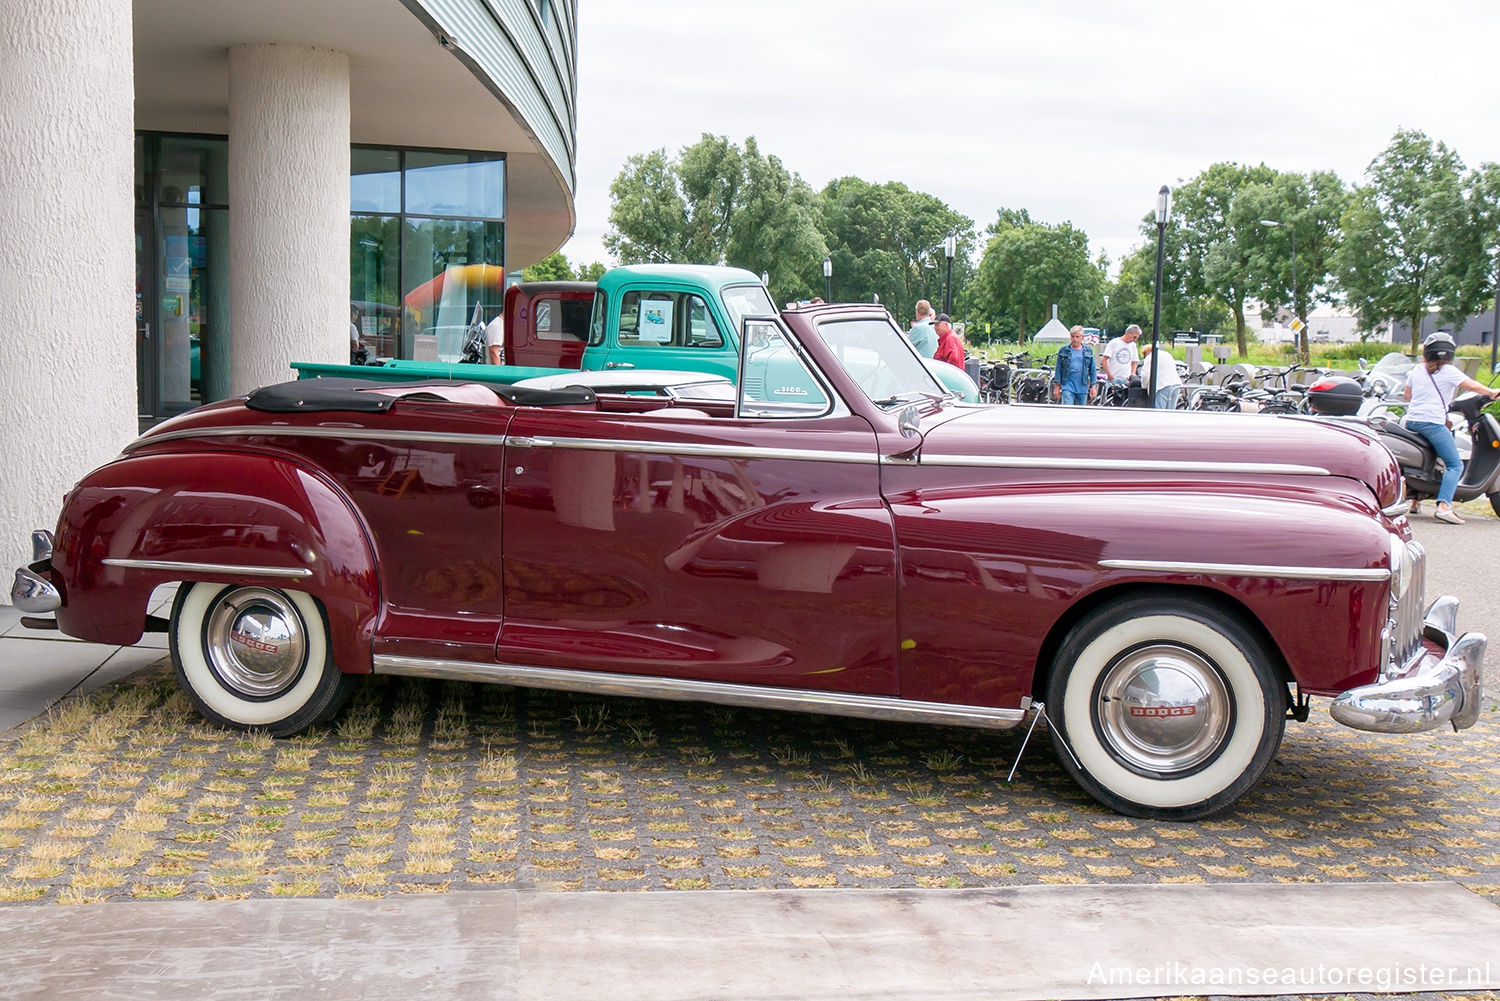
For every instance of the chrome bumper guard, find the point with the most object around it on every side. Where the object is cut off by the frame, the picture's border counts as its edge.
(1445, 691)
(31, 592)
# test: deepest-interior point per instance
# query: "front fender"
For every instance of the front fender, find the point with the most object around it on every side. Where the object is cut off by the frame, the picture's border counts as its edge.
(991, 577)
(234, 518)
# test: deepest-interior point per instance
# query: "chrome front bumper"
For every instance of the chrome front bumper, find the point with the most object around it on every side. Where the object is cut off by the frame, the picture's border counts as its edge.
(31, 592)
(1447, 690)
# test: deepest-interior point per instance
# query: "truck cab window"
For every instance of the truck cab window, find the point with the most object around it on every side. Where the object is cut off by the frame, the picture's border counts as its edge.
(667, 319)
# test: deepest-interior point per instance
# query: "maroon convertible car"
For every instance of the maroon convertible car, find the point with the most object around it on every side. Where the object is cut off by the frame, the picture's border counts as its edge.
(837, 536)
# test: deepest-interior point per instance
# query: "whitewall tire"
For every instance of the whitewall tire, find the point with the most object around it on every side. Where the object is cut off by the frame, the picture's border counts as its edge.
(255, 657)
(1172, 708)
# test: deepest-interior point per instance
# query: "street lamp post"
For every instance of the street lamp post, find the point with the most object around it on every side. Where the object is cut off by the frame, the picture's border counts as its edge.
(828, 278)
(1296, 336)
(950, 247)
(1163, 207)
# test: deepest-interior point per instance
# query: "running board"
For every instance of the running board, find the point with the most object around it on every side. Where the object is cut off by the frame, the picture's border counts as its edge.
(879, 707)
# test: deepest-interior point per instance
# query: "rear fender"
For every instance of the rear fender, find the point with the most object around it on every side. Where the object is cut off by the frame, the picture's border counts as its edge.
(231, 518)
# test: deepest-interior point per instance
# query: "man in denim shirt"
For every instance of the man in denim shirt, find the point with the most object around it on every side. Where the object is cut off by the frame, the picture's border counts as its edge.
(1073, 378)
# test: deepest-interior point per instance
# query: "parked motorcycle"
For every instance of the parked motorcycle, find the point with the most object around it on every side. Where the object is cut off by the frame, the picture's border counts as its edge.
(1422, 468)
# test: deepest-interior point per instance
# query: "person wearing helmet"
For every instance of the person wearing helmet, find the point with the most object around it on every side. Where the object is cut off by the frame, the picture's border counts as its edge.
(1430, 388)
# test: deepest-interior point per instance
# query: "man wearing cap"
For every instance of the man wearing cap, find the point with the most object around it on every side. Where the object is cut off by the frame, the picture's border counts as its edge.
(922, 336)
(949, 348)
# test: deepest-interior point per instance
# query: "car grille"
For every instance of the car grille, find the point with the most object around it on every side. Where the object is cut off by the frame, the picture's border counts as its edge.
(1406, 614)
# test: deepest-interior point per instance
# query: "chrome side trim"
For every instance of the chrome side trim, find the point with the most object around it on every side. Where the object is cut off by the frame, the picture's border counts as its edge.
(693, 448)
(1128, 465)
(880, 707)
(1250, 570)
(223, 568)
(288, 431)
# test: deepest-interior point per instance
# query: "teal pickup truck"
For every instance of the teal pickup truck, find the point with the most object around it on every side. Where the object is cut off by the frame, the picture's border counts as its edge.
(680, 317)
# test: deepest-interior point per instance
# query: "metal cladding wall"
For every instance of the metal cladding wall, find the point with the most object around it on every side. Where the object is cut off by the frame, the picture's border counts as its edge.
(527, 58)
(67, 357)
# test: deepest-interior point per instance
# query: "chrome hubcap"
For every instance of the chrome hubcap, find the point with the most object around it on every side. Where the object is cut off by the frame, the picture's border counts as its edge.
(1164, 708)
(256, 641)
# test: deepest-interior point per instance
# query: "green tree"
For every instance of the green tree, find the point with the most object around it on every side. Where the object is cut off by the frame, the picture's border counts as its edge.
(591, 272)
(647, 211)
(1027, 268)
(1468, 285)
(718, 203)
(774, 227)
(549, 269)
(1208, 246)
(1307, 209)
(886, 240)
(1401, 231)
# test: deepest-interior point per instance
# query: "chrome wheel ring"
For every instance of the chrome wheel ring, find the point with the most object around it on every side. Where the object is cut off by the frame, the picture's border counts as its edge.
(256, 642)
(1163, 709)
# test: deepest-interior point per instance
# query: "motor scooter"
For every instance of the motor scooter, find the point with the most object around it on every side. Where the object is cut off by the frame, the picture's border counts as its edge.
(1422, 468)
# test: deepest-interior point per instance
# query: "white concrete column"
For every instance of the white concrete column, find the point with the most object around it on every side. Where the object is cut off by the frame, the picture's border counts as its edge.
(67, 257)
(288, 210)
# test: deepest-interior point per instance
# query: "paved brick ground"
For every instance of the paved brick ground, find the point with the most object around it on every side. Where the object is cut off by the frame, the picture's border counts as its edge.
(428, 786)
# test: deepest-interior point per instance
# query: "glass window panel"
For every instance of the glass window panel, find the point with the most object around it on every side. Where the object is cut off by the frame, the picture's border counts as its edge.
(455, 184)
(193, 171)
(374, 180)
(192, 262)
(677, 319)
(454, 275)
(375, 285)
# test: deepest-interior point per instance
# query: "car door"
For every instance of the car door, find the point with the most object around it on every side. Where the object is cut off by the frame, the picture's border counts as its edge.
(749, 550)
(665, 327)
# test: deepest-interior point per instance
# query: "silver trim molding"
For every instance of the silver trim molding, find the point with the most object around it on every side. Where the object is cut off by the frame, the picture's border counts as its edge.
(1250, 570)
(290, 431)
(1129, 465)
(692, 448)
(223, 568)
(882, 707)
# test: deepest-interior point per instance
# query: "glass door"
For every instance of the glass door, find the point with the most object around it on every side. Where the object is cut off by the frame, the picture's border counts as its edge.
(145, 318)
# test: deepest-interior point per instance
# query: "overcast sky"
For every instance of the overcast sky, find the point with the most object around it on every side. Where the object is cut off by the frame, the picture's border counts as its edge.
(1077, 110)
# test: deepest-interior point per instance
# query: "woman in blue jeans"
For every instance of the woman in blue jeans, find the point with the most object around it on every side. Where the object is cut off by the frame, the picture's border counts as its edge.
(1430, 387)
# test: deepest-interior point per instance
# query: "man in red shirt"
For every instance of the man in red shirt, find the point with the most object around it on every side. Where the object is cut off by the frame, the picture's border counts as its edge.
(949, 348)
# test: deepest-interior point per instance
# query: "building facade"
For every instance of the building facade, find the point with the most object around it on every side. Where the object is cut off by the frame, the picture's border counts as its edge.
(212, 189)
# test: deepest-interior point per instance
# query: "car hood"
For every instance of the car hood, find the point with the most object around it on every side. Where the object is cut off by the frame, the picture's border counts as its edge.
(1151, 440)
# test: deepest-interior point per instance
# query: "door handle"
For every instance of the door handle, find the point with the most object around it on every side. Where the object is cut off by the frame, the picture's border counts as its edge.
(618, 364)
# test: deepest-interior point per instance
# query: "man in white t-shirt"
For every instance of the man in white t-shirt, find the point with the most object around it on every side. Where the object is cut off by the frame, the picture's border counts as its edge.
(1121, 355)
(1168, 382)
(1431, 386)
(494, 339)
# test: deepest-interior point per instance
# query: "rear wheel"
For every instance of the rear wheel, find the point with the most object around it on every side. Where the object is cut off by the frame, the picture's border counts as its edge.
(1173, 709)
(255, 657)
(1495, 504)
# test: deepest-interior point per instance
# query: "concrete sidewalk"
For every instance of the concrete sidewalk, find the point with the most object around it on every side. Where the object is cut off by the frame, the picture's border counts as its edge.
(39, 667)
(1074, 942)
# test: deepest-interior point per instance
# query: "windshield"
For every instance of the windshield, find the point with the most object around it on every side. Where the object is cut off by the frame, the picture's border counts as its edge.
(746, 300)
(878, 357)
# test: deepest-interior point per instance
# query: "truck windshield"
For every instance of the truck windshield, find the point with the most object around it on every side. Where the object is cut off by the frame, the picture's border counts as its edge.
(878, 357)
(746, 300)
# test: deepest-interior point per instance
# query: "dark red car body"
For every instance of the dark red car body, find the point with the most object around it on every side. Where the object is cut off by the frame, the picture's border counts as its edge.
(715, 557)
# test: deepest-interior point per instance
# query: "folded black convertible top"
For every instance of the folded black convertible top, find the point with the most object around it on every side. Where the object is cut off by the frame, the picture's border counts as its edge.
(353, 395)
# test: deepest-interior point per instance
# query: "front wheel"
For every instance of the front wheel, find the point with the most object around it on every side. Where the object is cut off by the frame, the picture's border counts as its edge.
(1173, 709)
(1495, 504)
(255, 657)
